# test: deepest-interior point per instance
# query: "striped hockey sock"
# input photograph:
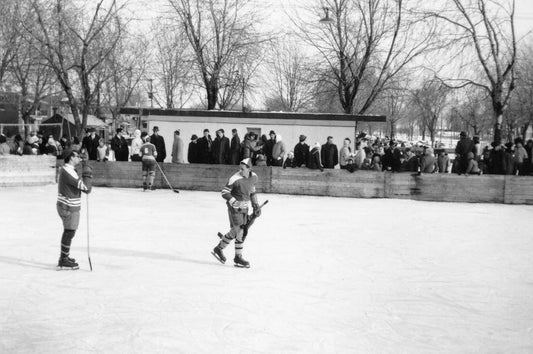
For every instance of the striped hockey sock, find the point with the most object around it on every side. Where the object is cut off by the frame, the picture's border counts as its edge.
(66, 240)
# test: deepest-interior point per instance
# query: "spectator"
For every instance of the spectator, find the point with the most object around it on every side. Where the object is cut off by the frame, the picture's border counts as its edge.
(261, 160)
(50, 147)
(376, 163)
(314, 158)
(90, 143)
(289, 161)
(192, 154)
(472, 167)
(177, 148)
(520, 155)
(103, 151)
(221, 149)
(76, 145)
(463, 147)
(410, 163)
(427, 161)
(136, 144)
(528, 164)
(4, 147)
(329, 154)
(443, 162)
(268, 146)
(497, 159)
(485, 160)
(205, 147)
(18, 145)
(32, 138)
(509, 158)
(235, 148)
(477, 148)
(359, 155)
(249, 146)
(301, 152)
(278, 152)
(388, 158)
(345, 153)
(119, 145)
(159, 142)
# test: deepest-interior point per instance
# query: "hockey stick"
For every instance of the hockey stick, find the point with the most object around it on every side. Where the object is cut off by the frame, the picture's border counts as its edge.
(166, 179)
(88, 249)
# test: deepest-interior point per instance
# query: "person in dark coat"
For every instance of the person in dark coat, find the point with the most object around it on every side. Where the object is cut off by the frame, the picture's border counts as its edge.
(221, 151)
(329, 154)
(463, 147)
(192, 154)
(235, 148)
(90, 143)
(314, 158)
(301, 152)
(497, 159)
(268, 146)
(205, 148)
(120, 146)
(159, 143)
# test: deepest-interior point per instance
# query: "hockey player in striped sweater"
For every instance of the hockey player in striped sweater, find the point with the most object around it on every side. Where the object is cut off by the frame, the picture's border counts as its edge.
(239, 192)
(70, 186)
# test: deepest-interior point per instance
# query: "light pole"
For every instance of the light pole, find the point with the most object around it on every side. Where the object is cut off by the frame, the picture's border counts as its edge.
(151, 93)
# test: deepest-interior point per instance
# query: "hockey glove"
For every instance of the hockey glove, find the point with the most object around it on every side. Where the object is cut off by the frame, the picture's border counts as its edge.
(239, 206)
(87, 171)
(257, 210)
(87, 175)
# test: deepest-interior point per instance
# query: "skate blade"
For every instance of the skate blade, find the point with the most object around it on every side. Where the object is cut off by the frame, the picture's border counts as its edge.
(217, 257)
(241, 266)
(67, 268)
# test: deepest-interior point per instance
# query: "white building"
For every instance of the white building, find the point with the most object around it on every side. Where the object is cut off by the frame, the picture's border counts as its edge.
(316, 126)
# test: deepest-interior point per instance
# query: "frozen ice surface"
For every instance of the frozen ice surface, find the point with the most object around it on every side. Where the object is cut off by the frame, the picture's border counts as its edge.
(328, 275)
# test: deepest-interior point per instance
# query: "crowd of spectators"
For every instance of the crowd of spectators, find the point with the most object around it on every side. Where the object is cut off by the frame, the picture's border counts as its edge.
(369, 153)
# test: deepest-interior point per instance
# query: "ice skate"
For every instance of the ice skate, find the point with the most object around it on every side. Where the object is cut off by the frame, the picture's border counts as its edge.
(145, 187)
(241, 262)
(218, 254)
(66, 263)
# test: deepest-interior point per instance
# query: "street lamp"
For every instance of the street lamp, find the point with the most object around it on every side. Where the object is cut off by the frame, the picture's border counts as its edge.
(326, 19)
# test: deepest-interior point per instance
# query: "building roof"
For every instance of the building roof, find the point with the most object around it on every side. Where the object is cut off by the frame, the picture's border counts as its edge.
(92, 121)
(253, 115)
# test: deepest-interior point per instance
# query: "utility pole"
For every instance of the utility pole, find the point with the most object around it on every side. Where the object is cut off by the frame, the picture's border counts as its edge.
(151, 93)
(242, 78)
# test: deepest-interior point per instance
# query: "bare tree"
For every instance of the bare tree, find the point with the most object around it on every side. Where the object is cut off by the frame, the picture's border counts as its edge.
(174, 62)
(32, 76)
(521, 103)
(122, 73)
(474, 111)
(217, 30)
(367, 44)
(487, 29)
(77, 44)
(10, 33)
(431, 99)
(291, 78)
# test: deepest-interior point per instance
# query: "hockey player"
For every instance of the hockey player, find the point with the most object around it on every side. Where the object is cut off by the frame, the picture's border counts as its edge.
(239, 192)
(70, 186)
(149, 154)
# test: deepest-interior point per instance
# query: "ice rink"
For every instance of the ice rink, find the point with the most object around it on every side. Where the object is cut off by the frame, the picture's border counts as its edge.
(328, 275)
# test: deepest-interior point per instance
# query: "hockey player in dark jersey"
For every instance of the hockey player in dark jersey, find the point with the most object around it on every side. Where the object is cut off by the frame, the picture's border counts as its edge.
(149, 154)
(70, 186)
(239, 192)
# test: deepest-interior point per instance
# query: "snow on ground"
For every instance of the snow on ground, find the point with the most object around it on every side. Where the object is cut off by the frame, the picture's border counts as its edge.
(328, 275)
